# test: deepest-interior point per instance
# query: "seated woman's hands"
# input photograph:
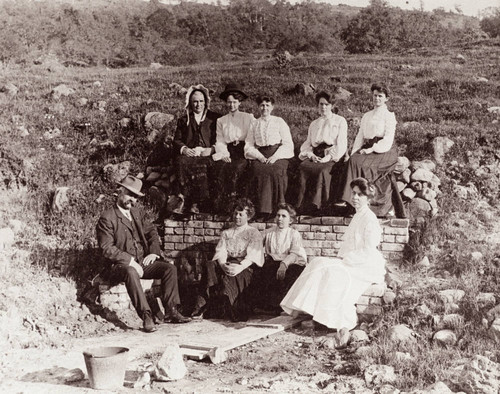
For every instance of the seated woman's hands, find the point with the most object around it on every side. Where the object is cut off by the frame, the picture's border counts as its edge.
(366, 151)
(280, 274)
(231, 269)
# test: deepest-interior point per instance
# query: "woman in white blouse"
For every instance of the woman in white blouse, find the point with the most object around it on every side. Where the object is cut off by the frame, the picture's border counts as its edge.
(231, 166)
(285, 258)
(269, 145)
(374, 155)
(329, 287)
(326, 145)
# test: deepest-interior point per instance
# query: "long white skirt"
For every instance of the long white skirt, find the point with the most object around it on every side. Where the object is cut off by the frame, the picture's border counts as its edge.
(328, 289)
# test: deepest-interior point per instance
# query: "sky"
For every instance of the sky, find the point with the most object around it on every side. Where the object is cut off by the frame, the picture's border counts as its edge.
(468, 7)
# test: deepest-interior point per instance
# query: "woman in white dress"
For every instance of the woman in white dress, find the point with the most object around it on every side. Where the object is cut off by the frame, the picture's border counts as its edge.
(268, 145)
(322, 154)
(231, 165)
(328, 288)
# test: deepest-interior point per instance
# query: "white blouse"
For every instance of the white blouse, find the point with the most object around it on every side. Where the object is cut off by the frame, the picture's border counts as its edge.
(230, 128)
(243, 242)
(271, 131)
(331, 130)
(379, 122)
(279, 243)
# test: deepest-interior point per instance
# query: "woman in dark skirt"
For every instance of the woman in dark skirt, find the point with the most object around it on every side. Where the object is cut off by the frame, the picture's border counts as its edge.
(231, 165)
(269, 145)
(325, 146)
(374, 156)
(225, 280)
(285, 258)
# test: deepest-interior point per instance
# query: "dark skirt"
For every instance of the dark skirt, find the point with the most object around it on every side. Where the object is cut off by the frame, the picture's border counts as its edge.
(268, 291)
(220, 288)
(377, 168)
(193, 176)
(269, 181)
(231, 179)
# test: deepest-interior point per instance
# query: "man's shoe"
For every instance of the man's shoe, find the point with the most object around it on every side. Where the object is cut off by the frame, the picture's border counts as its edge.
(148, 323)
(176, 317)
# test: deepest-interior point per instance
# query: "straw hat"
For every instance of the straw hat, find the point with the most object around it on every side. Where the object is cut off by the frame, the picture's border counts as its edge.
(132, 184)
(232, 88)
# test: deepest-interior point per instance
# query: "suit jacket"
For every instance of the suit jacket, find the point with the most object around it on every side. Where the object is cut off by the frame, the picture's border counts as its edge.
(115, 236)
(187, 135)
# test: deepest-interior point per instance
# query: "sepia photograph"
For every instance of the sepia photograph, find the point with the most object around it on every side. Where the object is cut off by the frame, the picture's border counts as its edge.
(250, 196)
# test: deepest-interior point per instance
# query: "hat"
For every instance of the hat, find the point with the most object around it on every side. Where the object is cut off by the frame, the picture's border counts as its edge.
(232, 88)
(133, 184)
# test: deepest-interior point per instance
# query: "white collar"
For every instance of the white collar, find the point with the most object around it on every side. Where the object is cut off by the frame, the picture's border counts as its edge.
(126, 212)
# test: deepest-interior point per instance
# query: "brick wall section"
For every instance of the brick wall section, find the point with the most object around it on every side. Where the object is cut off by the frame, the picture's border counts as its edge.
(191, 242)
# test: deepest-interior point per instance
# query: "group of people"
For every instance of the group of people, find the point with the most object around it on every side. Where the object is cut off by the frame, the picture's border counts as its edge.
(249, 270)
(221, 158)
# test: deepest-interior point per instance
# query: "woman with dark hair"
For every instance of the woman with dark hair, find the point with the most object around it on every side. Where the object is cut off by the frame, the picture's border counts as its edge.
(326, 145)
(329, 287)
(231, 165)
(227, 276)
(285, 258)
(269, 145)
(374, 155)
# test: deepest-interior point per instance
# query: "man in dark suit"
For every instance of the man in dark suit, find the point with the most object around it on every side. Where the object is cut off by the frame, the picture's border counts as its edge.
(131, 245)
(194, 143)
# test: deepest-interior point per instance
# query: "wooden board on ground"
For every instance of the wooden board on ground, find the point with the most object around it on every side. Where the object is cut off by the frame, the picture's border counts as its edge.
(216, 348)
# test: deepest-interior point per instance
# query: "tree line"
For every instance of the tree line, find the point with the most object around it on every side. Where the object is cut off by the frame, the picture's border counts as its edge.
(131, 32)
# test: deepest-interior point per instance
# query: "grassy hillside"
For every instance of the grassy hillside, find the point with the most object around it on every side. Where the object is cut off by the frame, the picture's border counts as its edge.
(434, 94)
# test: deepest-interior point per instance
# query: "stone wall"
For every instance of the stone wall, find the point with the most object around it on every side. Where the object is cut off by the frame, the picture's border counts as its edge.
(191, 242)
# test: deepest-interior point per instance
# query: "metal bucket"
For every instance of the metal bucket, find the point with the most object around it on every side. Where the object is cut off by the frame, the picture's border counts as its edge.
(106, 367)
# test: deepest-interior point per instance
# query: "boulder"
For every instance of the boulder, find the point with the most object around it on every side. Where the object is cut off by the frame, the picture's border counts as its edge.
(427, 194)
(494, 330)
(416, 185)
(389, 296)
(6, 238)
(451, 296)
(435, 182)
(340, 93)
(419, 207)
(157, 120)
(97, 84)
(421, 175)
(304, 89)
(435, 388)
(124, 123)
(171, 364)
(480, 375)
(82, 102)
(480, 79)
(402, 164)
(485, 299)
(493, 313)
(116, 172)
(9, 89)
(401, 186)
(441, 146)
(460, 191)
(405, 176)
(452, 321)
(155, 66)
(476, 256)
(494, 110)
(153, 136)
(408, 193)
(61, 199)
(378, 374)
(424, 263)
(62, 90)
(427, 164)
(359, 336)
(445, 337)
(400, 333)
(423, 310)
(100, 105)
(178, 89)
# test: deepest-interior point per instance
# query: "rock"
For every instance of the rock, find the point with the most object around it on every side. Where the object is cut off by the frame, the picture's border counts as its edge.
(461, 191)
(435, 182)
(341, 94)
(427, 164)
(157, 120)
(307, 324)
(125, 123)
(423, 310)
(22, 131)
(435, 388)
(72, 376)
(155, 66)
(154, 176)
(7, 237)
(452, 321)
(494, 330)
(405, 176)
(171, 365)
(124, 89)
(100, 199)
(388, 389)
(421, 175)
(377, 374)
(50, 63)
(363, 351)
(480, 79)
(401, 186)
(493, 313)
(476, 256)
(400, 333)
(494, 110)
(424, 263)
(400, 356)
(100, 105)
(427, 194)
(304, 89)
(51, 134)
(451, 296)
(485, 299)
(389, 296)
(445, 337)
(460, 57)
(402, 164)
(143, 380)
(441, 146)
(59, 147)
(480, 375)
(123, 108)
(116, 172)
(419, 207)
(178, 89)
(62, 90)
(61, 199)
(82, 102)
(9, 89)
(408, 193)
(417, 186)
(153, 136)
(359, 336)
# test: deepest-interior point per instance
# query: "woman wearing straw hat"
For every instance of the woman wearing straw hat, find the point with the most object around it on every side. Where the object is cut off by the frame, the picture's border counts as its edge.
(231, 165)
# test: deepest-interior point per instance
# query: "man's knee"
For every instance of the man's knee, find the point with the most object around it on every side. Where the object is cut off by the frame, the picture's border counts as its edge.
(130, 273)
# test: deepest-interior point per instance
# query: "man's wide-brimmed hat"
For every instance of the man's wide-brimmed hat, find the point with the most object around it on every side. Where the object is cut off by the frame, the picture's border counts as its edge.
(232, 88)
(133, 184)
